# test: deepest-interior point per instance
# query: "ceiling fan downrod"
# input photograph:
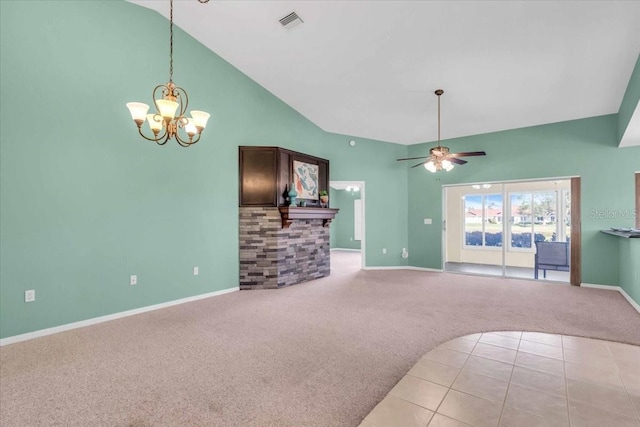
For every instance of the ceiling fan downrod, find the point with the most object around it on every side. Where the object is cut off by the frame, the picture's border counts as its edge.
(439, 92)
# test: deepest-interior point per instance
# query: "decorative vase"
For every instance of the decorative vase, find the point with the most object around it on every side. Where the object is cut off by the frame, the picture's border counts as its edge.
(292, 195)
(324, 200)
(285, 196)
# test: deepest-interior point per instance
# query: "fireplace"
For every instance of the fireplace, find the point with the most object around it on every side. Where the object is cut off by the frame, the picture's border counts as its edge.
(280, 244)
(272, 257)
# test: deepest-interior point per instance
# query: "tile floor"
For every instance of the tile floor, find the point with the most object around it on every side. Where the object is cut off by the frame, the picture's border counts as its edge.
(517, 379)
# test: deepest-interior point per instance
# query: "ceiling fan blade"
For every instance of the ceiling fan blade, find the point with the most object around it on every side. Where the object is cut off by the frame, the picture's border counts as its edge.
(412, 158)
(457, 161)
(468, 154)
(419, 164)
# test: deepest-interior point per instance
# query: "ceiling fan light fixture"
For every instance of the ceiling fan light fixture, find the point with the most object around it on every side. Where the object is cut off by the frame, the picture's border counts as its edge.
(440, 157)
(447, 165)
(430, 166)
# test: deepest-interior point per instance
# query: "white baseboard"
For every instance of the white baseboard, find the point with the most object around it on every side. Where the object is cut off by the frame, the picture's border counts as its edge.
(608, 287)
(346, 249)
(108, 317)
(403, 267)
(434, 270)
(614, 288)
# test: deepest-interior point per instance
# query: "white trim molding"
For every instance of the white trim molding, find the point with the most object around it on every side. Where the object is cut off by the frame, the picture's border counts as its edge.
(88, 322)
(345, 249)
(404, 267)
(614, 288)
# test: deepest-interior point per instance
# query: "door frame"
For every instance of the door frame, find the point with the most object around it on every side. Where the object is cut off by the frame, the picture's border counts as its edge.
(363, 241)
(575, 270)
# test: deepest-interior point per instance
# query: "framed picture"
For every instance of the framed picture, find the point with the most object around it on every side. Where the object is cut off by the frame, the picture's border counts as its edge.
(305, 179)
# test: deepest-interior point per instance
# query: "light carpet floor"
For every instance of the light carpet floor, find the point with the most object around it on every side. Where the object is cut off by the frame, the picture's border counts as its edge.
(323, 353)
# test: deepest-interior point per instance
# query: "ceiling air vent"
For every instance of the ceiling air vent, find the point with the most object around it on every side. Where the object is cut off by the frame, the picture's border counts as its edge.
(291, 20)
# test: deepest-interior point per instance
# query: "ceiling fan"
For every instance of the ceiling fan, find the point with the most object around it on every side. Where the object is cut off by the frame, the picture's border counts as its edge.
(439, 157)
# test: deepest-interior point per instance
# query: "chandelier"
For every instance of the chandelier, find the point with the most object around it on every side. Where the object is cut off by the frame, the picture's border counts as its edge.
(171, 103)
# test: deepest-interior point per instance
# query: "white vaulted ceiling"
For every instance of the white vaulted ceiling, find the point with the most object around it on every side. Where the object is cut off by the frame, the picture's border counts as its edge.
(369, 68)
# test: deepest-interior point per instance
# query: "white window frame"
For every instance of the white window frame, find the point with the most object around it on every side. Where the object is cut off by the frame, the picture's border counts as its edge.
(560, 218)
(482, 247)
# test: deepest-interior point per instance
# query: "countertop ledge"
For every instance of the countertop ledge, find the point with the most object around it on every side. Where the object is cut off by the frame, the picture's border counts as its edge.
(623, 234)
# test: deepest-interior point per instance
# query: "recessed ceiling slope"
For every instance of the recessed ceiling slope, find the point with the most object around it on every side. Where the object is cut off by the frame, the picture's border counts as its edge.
(369, 68)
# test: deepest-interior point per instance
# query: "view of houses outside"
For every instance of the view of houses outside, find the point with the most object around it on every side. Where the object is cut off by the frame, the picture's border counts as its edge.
(534, 217)
(483, 220)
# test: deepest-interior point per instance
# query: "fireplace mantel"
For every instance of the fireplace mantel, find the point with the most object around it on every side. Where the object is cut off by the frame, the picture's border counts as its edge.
(289, 214)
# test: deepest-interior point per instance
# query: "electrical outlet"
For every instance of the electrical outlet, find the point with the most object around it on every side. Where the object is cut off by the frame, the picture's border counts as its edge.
(384, 251)
(196, 271)
(30, 295)
(428, 221)
(133, 280)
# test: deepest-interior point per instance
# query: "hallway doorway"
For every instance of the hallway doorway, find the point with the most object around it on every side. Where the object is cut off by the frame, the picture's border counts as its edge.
(348, 228)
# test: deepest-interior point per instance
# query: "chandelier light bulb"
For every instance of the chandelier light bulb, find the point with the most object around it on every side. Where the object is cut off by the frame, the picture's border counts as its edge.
(190, 128)
(155, 123)
(167, 108)
(200, 118)
(138, 111)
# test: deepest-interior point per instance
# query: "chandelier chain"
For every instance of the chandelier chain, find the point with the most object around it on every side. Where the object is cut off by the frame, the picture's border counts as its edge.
(171, 40)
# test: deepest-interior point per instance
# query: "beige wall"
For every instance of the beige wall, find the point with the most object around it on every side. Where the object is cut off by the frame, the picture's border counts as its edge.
(455, 250)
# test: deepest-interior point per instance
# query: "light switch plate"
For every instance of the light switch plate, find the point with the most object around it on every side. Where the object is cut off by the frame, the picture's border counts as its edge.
(30, 295)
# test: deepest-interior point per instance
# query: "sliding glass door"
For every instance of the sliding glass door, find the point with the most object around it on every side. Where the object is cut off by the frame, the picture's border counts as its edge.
(495, 229)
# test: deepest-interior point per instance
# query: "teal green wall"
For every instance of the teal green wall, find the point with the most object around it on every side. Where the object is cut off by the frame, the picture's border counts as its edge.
(629, 101)
(630, 267)
(342, 228)
(585, 148)
(85, 202)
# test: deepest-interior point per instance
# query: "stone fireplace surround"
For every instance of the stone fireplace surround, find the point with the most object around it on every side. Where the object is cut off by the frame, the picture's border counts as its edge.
(272, 256)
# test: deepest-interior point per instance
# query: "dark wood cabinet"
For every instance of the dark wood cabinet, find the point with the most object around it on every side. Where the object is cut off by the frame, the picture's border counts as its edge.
(258, 176)
(265, 172)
